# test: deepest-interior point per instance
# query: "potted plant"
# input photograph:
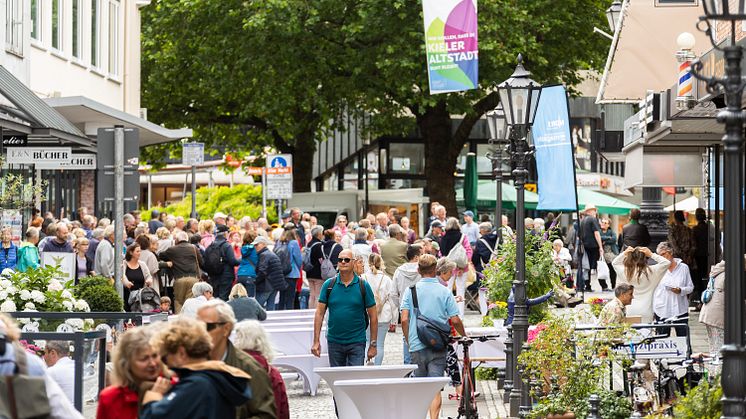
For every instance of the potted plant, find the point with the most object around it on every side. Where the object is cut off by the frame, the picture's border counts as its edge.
(497, 312)
(596, 304)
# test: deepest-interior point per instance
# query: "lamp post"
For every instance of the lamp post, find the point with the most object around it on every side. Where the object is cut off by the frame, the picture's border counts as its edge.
(519, 96)
(725, 14)
(613, 13)
(498, 135)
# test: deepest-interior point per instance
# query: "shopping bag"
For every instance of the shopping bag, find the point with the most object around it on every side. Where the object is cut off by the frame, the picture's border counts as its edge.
(603, 270)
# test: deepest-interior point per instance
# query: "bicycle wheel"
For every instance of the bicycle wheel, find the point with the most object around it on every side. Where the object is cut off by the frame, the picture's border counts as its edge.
(467, 398)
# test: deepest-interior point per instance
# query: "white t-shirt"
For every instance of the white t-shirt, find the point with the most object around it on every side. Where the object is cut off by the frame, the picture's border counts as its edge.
(63, 372)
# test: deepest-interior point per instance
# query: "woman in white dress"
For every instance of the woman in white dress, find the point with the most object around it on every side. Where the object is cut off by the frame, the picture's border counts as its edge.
(632, 267)
(382, 287)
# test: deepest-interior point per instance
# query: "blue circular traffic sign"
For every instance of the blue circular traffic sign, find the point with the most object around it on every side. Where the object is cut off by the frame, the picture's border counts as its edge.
(278, 161)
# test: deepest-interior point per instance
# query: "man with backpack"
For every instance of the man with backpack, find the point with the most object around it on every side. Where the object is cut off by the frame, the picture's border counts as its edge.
(426, 310)
(352, 307)
(219, 263)
(269, 276)
(486, 247)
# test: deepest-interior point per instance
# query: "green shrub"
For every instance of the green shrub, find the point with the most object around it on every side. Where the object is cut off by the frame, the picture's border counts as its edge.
(701, 402)
(100, 295)
(485, 373)
(238, 201)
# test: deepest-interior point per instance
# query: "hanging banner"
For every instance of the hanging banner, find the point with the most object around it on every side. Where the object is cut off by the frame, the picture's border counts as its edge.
(554, 160)
(451, 43)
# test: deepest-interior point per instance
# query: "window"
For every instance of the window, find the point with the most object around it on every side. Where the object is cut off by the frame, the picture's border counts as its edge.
(14, 26)
(114, 37)
(95, 28)
(57, 24)
(407, 158)
(77, 28)
(36, 19)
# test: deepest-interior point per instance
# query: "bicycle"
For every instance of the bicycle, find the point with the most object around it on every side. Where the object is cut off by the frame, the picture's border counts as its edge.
(467, 408)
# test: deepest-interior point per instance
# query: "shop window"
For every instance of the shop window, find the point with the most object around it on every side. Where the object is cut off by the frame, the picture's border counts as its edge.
(407, 158)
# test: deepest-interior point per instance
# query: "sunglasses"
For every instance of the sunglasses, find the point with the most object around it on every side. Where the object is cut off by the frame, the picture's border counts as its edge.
(345, 260)
(213, 326)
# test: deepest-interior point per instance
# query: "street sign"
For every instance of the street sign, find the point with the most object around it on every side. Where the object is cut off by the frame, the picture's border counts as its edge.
(193, 154)
(105, 163)
(664, 348)
(254, 171)
(85, 161)
(279, 180)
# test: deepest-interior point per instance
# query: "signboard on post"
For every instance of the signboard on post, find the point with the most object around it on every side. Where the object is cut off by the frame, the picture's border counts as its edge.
(38, 155)
(279, 180)
(13, 219)
(65, 261)
(193, 154)
(105, 165)
(85, 161)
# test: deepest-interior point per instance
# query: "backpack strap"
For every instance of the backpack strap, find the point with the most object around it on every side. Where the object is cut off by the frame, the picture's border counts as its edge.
(323, 255)
(413, 289)
(363, 293)
(331, 285)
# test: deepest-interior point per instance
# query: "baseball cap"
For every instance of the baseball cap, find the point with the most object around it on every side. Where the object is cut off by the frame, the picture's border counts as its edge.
(436, 223)
(261, 239)
(222, 228)
(219, 215)
(286, 214)
(469, 213)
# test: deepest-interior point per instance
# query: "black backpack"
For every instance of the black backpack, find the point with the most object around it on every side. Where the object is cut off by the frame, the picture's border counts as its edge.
(214, 260)
(283, 252)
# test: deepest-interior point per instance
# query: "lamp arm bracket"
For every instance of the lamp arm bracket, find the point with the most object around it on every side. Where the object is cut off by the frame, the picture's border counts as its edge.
(704, 25)
(713, 83)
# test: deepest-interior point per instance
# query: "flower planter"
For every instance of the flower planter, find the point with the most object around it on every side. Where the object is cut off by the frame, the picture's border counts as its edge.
(498, 323)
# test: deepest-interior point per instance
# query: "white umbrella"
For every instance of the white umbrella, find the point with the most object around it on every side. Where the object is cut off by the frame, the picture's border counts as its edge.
(689, 205)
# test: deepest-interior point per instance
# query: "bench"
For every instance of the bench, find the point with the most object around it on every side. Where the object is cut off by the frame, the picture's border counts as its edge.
(392, 398)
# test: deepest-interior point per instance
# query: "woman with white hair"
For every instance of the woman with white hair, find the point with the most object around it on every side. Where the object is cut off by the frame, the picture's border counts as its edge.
(245, 307)
(252, 339)
(202, 292)
(360, 247)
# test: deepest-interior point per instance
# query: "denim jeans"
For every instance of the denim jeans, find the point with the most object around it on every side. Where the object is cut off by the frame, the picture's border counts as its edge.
(430, 363)
(287, 296)
(266, 299)
(248, 282)
(383, 329)
(303, 299)
(346, 355)
(405, 352)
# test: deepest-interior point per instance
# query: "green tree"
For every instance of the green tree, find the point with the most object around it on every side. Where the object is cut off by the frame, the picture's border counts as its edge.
(281, 72)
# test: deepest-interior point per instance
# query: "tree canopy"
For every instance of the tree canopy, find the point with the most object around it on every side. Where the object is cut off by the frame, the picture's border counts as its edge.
(280, 72)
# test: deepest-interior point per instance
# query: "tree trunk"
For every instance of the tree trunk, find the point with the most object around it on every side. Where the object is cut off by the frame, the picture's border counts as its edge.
(303, 152)
(440, 155)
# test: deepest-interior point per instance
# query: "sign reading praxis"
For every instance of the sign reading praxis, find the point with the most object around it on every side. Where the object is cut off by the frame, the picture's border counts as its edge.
(279, 179)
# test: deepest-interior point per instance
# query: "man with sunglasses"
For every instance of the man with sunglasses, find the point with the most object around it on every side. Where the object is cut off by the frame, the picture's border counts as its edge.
(220, 320)
(350, 300)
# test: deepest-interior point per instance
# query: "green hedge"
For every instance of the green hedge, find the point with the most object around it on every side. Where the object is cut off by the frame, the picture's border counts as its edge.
(238, 201)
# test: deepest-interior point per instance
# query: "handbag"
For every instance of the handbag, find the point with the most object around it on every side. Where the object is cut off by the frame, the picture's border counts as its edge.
(602, 269)
(457, 254)
(21, 395)
(432, 333)
(709, 291)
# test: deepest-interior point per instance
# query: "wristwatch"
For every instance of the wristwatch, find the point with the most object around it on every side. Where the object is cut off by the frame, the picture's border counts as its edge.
(373, 342)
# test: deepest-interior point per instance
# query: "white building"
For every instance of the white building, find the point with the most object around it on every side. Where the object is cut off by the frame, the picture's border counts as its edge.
(83, 58)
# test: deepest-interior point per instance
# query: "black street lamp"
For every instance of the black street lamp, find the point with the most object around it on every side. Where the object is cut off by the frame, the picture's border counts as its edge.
(723, 16)
(498, 135)
(519, 96)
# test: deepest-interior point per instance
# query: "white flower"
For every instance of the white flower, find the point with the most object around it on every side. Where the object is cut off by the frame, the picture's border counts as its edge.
(75, 323)
(30, 306)
(8, 305)
(82, 305)
(54, 285)
(7, 272)
(24, 320)
(12, 290)
(68, 305)
(5, 283)
(67, 294)
(25, 294)
(3, 295)
(38, 296)
(89, 322)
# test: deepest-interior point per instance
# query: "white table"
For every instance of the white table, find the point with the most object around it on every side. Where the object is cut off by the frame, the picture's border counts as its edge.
(305, 364)
(285, 313)
(288, 325)
(288, 319)
(492, 352)
(392, 398)
(294, 341)
(345, 407)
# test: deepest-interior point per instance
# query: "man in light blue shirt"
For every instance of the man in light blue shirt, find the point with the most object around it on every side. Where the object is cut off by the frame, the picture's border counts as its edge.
(435, 302)
(470, 229)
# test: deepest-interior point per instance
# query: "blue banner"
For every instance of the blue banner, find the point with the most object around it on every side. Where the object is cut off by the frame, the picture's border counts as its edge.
(554, 161)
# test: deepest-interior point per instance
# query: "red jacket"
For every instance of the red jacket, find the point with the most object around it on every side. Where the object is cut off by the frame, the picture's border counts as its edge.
(115, 402)
(278, 386)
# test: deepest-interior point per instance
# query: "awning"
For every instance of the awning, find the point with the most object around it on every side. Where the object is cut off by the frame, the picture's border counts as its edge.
(91, 115)
(642, 53)
(689, 205)
(30, 115)
(486, 193)
(606, 204)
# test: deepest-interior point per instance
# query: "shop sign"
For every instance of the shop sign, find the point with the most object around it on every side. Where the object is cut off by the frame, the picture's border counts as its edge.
(75, 162)
(38, 155)
(15, 140)
(279, 180)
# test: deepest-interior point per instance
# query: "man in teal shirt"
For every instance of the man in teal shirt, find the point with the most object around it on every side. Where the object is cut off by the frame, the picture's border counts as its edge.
(346, 326)
(435, 302)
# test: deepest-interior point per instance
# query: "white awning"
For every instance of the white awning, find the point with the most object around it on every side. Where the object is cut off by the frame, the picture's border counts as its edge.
(89, 116)
(642, 54)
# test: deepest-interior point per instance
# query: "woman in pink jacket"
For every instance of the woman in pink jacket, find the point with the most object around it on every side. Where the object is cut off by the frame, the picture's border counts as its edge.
(455, 246)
